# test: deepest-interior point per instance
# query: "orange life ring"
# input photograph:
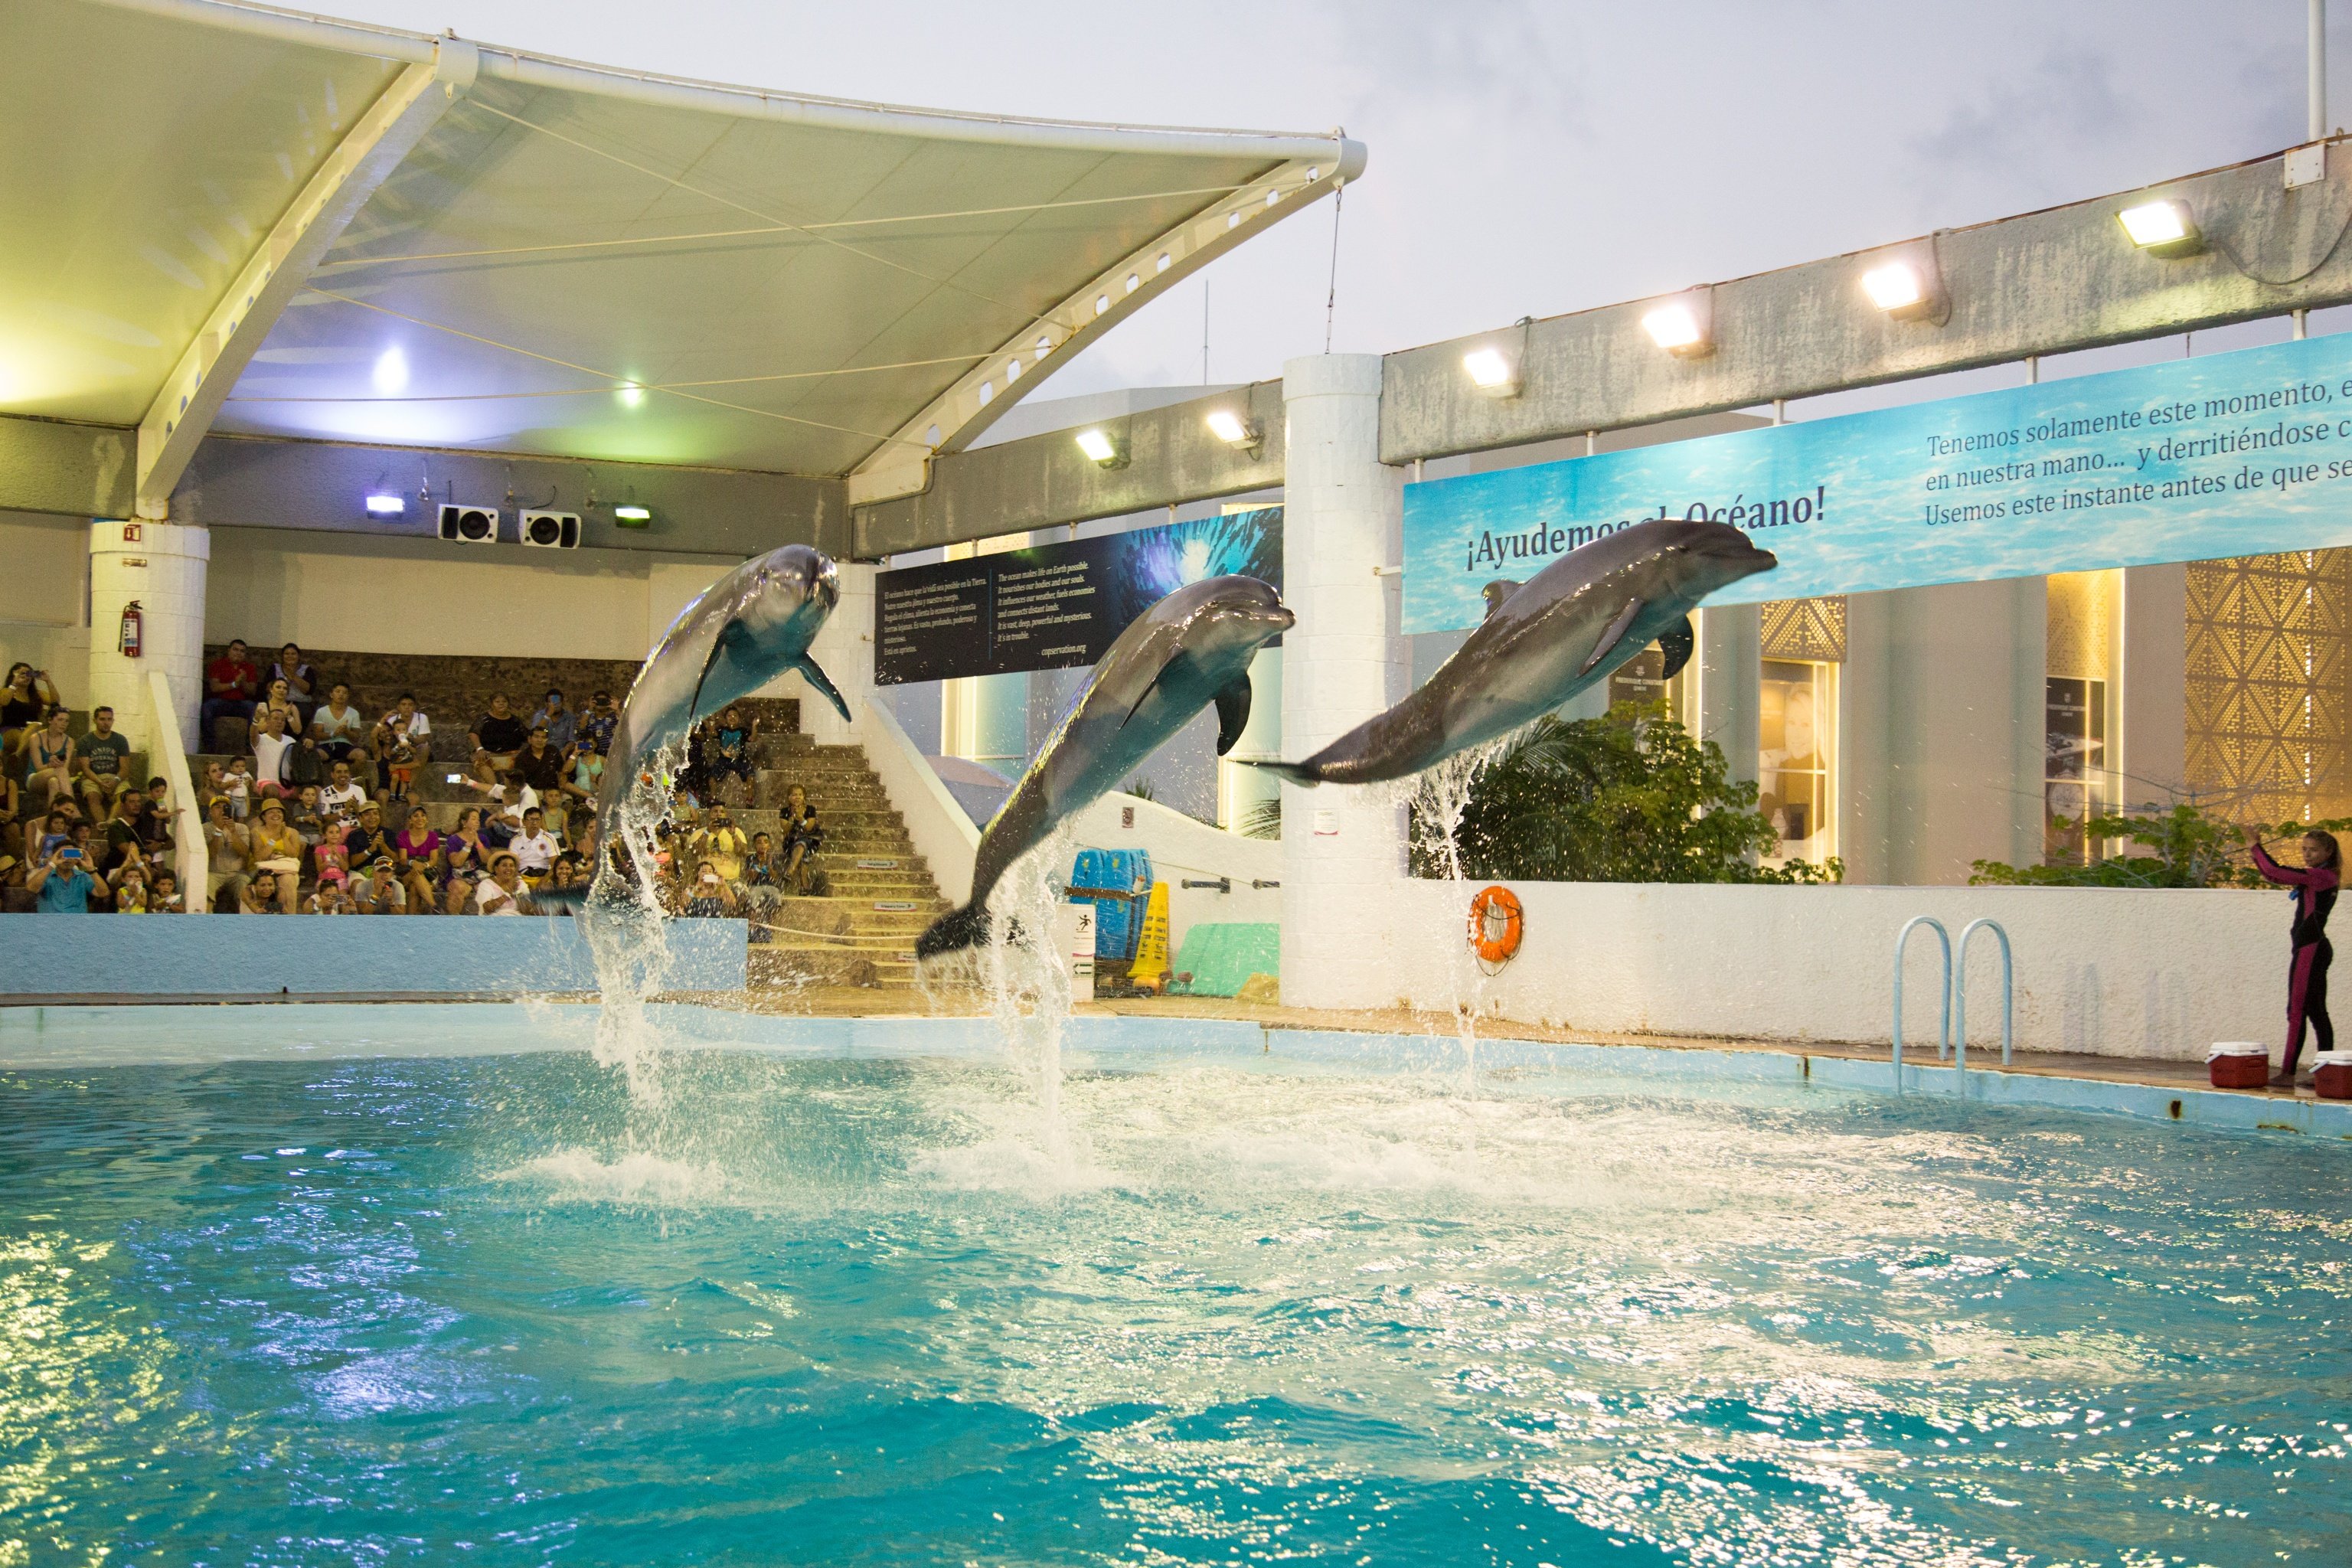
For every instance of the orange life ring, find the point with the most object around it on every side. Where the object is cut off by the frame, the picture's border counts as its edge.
(1493, 907)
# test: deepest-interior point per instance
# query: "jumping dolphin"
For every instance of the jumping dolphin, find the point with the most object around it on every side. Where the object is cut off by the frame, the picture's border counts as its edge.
(753, 625)
(1545, 640)
(1192, 649)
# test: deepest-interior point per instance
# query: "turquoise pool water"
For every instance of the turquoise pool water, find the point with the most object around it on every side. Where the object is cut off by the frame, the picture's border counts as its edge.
(431, 1309)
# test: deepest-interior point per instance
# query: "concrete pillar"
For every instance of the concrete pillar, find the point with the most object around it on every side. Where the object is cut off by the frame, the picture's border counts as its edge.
(1865, 703)
(1241, 789)
(161, 566)
(1000, 732)
(1730, 680)
(1343, 848)
(2151, 739)
(844, 650)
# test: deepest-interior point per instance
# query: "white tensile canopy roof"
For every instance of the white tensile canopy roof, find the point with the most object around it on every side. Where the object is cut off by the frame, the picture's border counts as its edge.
(222, 216)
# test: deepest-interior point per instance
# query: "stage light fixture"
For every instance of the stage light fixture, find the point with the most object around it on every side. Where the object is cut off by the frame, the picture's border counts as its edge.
(2162, 228)
(633, 517)
(629, 395)
(1906, 284)
(390, 375)
(1683, 326)
(384, 503)
(1892, 287)
(1100, 449)
(1233, 430)
(1492, 371)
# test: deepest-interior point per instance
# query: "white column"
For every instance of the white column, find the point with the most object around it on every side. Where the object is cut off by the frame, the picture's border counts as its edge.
(844, 650)
(161, 566)
(1343, 848)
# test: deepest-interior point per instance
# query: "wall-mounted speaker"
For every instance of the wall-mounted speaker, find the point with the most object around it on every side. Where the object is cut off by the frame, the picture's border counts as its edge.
(551, 530)
(470, 525)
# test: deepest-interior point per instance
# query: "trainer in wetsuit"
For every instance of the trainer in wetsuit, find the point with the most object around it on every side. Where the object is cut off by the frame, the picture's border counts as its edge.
(2314, 896)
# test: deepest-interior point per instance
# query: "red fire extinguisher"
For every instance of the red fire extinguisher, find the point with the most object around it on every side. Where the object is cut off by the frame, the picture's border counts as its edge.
(134, 623)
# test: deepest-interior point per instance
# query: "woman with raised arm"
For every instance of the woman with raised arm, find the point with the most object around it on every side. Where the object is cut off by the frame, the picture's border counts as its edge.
(2314, 883)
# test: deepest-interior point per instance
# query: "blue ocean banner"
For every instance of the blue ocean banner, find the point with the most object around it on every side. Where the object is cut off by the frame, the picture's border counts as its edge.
(2232, 454)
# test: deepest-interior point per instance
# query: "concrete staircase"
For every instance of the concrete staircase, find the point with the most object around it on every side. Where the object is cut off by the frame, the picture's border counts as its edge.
(880, 894)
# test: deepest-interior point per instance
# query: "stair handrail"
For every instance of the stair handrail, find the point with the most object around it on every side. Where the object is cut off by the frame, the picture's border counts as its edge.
(1960, 990)
(1902, 939)
(193, 856)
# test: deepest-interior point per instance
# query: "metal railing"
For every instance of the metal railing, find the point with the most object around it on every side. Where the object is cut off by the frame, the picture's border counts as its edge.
(1902, 941)
(1961, 992)
(1954, 1042)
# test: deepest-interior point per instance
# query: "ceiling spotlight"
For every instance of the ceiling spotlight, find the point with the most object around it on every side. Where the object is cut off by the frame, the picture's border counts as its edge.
(1100, 449)
(1683, 326)
(384, 503)
(1907, 286)
(1492, 371)
(1233, 430)
(391, 373)
(629, 394)
(2162, 228)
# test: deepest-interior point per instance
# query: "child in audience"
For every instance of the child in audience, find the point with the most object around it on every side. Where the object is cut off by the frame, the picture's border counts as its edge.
(239, 788)
(130, 883)
(333, 897)
(401, 762)
(163, 894)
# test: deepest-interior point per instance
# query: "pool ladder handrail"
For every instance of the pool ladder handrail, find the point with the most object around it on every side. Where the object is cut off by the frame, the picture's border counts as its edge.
(1960, 993)
(1903, 940)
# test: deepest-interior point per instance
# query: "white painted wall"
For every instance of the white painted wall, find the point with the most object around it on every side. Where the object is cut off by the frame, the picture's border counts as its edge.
(45, 563)
(2109, 972)
(374, 593)
(1184, 847)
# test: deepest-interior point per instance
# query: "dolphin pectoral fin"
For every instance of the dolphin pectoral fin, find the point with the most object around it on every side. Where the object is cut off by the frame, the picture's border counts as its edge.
(730, 636)
(1302, 774)
(1233, 714)
(1677, 643)
(817, 678)
(1496, 592)
(1611, 637)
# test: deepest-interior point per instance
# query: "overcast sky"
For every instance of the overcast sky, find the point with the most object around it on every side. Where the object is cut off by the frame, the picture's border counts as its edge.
(1525, 158)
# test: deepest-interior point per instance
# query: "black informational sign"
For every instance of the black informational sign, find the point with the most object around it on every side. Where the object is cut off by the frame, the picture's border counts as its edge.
(1053, 607)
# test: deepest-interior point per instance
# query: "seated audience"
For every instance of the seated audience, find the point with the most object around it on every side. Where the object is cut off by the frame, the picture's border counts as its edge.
(586, 777)
(497, 736)
(278, 849)
(98, 760)
(228, 846)
(708, 896)
(333, 896)
(407, 721)
(418, 851)
(239, 787)
(596, 726)
(341, 797)
(730, 754)
(163, 893)
(277, 698)
(128, 882)
(304, 815)
(49, 761)
(61, 882)
(561, 723)
(24, 701)
(261, 894)
(721, 843)
(337, 726)
(232, 682)
(803, 835)
(369, 853)
(502, 893)
(271, 746)
(539, 766)
(302, 685)
(535, 848)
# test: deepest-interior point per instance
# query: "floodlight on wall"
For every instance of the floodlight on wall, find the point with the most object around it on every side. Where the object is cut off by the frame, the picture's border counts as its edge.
(1683, 326)
(1907, 284)
(1100, 449)
(1492, 371)
(633, 517)
(385, 503)
(2163, 228)
(1233, 430)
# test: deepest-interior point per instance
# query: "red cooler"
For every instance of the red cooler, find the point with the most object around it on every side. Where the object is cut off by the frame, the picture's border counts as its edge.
(2239, 1064)
(2333, 1077)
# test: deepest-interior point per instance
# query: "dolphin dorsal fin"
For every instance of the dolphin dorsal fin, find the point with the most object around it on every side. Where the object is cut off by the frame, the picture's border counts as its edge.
(1612, 635)
(1678, 642)
(1496, 592)
(1233, 714)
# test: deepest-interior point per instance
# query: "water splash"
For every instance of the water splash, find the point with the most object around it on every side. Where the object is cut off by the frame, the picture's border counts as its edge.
(626, 927)
(1437, 800)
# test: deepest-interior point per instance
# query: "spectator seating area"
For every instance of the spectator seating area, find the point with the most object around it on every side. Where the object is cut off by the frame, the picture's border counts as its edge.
(338, 834)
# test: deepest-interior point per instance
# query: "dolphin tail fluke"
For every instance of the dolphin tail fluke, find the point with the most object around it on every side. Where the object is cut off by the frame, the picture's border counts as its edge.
(1305, 774)
(953, 932)
(817, 678)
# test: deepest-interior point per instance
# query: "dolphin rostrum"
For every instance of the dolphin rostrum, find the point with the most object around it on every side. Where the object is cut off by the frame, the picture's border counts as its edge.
(1543, 641)
(1192, 649)
(753, 625)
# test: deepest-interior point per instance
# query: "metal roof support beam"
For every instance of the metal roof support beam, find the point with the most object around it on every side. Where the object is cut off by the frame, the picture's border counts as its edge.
(192, 393)
(1168, 455)
(982, 394)
(2055, 281)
